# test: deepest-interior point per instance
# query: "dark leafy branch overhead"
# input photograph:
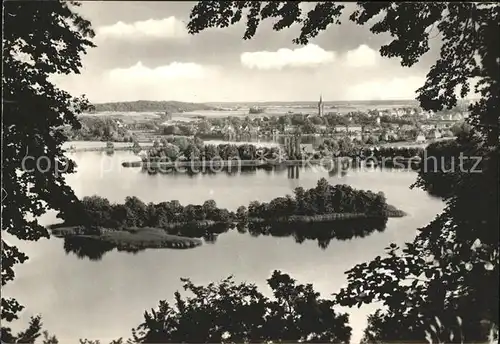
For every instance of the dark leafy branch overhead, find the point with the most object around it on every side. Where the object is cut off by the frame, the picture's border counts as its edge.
(40, 39)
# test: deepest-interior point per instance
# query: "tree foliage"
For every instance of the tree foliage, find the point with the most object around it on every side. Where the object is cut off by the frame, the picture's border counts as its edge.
(94, 128)
(451, 268)
(30, 335)
(321, 200)
(230, 312)
(49, 41)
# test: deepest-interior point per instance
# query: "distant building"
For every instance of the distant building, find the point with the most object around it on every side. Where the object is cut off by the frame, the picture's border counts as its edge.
(427, 126)
(321, 106)
(307, 148)
(354, 128)
(420, 138)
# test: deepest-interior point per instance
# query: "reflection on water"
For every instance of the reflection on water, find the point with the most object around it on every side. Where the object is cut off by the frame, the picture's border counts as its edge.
(92, 248)
(323, 232)
(85, 247)
(118, 288)
(292, 172)
(315, 140)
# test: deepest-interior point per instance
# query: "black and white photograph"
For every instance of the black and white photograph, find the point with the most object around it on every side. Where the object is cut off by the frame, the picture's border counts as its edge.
(250, 172)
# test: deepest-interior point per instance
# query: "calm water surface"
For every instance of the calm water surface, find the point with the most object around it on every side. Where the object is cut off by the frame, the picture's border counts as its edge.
(103, 300)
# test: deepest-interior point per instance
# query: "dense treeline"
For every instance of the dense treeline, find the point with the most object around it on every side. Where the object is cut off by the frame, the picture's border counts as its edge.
(444, 163)
(97, 212)
(96, 128)
(323, 199)
(354, 149)
(310, 214)
(175, 147)
(148, 105)
(178, 129)
(185, 148)
(391, 152)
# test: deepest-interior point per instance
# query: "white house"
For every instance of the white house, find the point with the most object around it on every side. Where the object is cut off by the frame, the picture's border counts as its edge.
(289, 128)
(420, 138)
(354, 129)
(307, 148)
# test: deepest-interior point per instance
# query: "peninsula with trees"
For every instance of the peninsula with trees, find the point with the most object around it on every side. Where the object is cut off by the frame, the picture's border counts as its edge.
(134, 225)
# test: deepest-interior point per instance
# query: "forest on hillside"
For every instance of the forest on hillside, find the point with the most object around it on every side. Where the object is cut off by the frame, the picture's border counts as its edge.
(148, 105)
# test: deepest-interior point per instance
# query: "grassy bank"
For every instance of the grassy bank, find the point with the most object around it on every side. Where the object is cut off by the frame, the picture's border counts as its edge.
(391, 212)
(105, 149)
(131, 238)
(310, 218)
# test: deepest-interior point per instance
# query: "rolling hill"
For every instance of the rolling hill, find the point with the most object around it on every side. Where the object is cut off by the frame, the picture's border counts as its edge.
(148, 105)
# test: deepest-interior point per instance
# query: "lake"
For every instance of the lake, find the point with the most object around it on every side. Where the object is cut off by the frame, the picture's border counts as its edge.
(103, 300)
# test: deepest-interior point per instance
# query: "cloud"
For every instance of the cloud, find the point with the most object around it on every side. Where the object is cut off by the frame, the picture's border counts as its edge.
(309, 56)
(167, 28)
(173, 71)
(392, 89)
(363, 56)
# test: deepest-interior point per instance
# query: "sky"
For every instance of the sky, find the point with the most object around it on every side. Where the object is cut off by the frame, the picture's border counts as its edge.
(145, 53)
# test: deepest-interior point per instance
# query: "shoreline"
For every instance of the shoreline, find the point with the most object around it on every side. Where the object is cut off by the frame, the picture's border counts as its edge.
(259, 163)
(130, 238)
(135, 238)
(104, 149)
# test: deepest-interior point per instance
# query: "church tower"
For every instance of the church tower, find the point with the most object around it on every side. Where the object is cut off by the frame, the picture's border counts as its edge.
(320, 106)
